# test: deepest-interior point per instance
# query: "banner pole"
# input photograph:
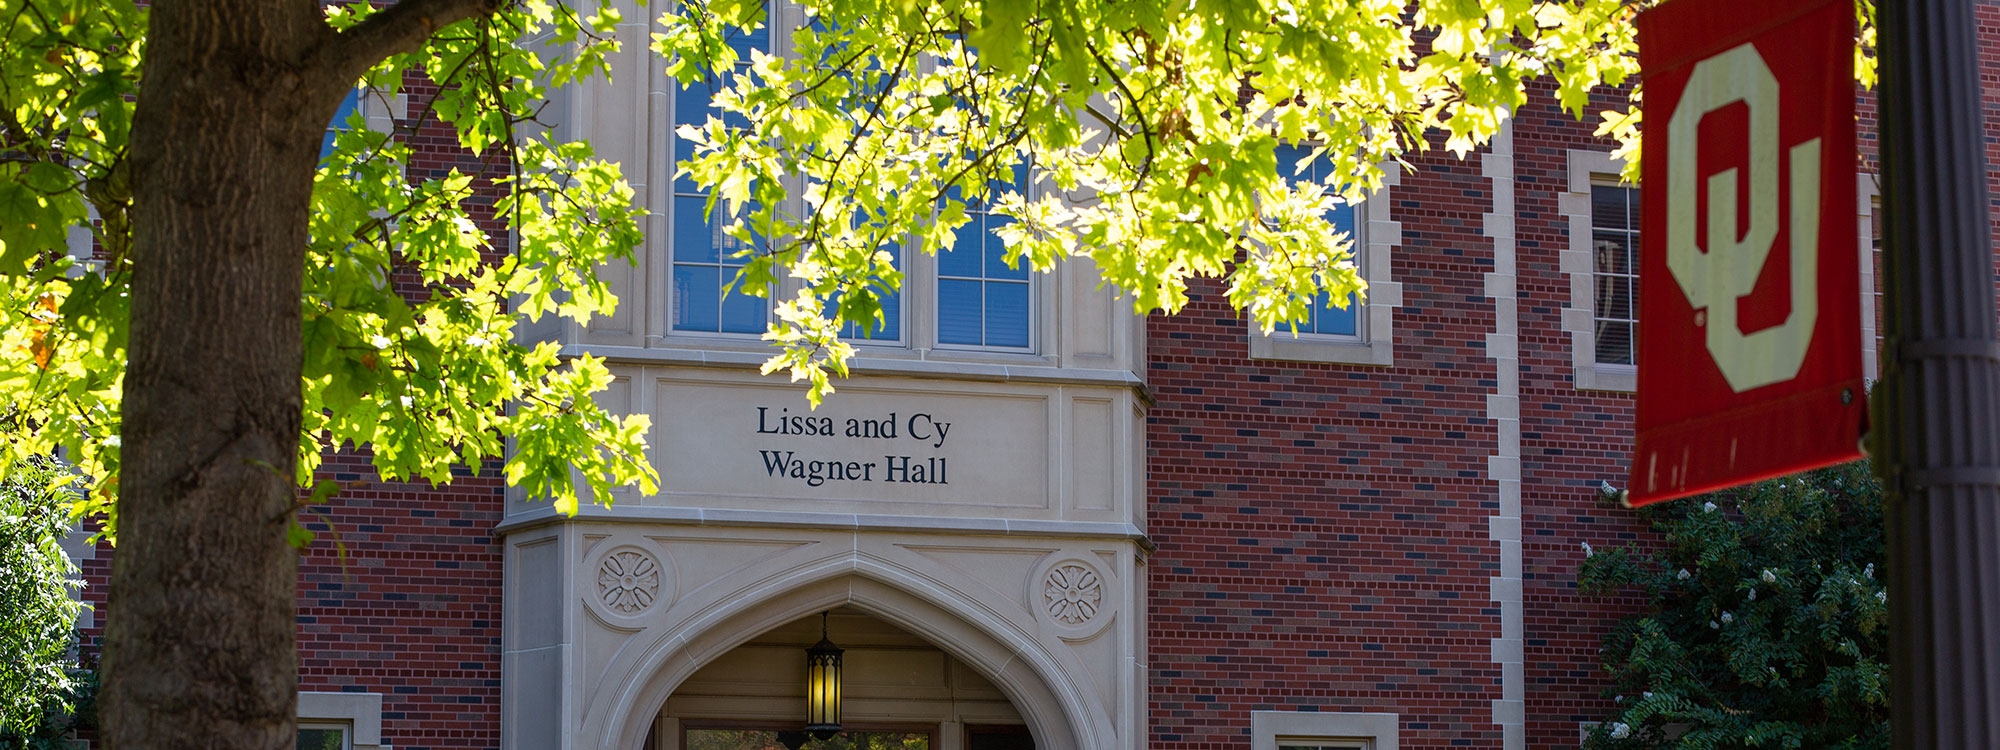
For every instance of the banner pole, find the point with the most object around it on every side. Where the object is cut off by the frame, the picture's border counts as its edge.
(1936, 437)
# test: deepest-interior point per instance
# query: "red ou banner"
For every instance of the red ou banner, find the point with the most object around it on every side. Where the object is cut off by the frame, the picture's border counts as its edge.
(1749, 350)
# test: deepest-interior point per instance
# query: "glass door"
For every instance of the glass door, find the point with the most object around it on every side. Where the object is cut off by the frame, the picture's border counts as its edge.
(750, 736)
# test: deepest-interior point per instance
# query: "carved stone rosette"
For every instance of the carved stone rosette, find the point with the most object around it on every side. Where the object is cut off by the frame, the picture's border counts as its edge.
(1073, 595)
(628, 581)
(625, 581)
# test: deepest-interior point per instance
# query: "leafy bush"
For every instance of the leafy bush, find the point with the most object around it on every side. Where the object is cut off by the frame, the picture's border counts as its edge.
(1766, 624)
(38, 669)
(62, 714)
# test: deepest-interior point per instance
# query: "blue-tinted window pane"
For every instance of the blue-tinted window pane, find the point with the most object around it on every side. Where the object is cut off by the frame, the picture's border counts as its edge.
(339, 122)
(963, 258)
(1333, 320)
(741, 313)
(696, 289)
(982, 302)
(1324, 320)
(758, 38)
(728, 246)
(1288, 164)
(691, 103)
(996, 253)
(1342, 218)
(959, 305)
(690, 108)
(892, 312)
(890, 329)
(705, 262)
(694, 237)
(1006, 314)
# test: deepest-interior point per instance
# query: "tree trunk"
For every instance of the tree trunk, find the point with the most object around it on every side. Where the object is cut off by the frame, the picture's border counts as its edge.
(199, 648)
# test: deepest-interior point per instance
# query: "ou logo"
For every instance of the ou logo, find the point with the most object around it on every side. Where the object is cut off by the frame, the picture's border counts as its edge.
(1728, 271)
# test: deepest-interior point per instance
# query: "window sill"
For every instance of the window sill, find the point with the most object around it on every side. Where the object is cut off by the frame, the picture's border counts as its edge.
(362, 712)
(1375, 731)
(1612, 378)
(921, 363)
(1280, 345)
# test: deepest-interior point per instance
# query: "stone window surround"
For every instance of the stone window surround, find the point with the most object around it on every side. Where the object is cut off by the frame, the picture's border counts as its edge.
(1377, 238)
(1866, 194)
(1587, 168)
(361, 712)
(1377, 731)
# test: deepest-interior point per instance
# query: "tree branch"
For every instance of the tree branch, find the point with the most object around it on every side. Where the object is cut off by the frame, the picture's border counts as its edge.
(400, 28)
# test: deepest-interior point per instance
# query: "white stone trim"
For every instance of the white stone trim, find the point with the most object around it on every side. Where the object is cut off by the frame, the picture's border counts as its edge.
(361, 712)
(1504, 465)
(1585, 168)
(1378, 731)
(79, 546)
(1378, 236)
(381, 110)
(1583, 730)
(1865, 192)
(80, 241)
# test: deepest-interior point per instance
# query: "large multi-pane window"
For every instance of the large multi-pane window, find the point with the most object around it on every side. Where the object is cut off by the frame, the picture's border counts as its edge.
(977, 300)
(1324, 320)
(1614, 253)
(980, 300)
(705, 259)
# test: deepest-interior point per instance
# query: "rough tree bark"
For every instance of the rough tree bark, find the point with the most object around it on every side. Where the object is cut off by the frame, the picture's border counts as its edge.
(199, 649)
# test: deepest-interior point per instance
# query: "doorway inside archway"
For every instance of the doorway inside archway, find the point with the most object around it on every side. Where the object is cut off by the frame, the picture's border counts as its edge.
(899, 692)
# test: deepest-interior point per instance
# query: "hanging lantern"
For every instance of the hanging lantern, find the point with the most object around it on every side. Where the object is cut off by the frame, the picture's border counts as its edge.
(823, 686)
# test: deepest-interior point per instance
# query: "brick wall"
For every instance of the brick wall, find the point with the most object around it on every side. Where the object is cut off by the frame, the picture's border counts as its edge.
(1322, 529)
(1571, 441)
(400, 595)
(401, 592)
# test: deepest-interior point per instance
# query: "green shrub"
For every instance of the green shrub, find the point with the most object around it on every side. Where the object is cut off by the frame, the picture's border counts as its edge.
(1766, 622)
(38, 663)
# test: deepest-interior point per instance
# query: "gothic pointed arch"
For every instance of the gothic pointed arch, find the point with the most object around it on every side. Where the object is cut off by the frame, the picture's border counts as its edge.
(1048, 688)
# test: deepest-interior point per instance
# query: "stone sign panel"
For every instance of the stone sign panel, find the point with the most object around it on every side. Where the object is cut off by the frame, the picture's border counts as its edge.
(736, 444)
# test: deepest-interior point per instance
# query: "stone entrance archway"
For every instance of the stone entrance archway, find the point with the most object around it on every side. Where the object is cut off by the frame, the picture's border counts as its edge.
(898, 691)
(1014, 665)
(606, 621)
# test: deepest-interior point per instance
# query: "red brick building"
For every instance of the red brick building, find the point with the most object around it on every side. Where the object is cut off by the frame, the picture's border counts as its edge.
(1173, 532)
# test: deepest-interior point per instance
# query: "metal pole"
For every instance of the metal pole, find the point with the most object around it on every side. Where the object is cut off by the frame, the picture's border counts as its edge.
(1937, 416)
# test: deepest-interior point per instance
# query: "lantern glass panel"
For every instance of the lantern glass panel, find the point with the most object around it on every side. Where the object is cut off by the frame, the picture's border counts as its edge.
(823, 688)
